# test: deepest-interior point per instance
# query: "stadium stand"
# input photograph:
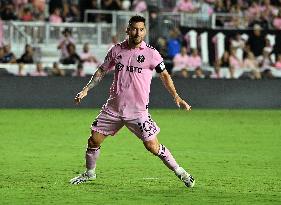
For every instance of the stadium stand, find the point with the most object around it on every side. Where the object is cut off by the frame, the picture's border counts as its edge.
(210, 26)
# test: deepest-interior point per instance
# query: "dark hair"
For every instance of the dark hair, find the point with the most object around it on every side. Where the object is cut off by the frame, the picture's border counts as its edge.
(136, 19)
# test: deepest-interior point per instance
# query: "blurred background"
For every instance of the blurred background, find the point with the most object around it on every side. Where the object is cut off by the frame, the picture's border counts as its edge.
(227, 50)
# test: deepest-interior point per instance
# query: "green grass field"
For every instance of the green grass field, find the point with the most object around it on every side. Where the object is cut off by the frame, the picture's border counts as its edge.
(235, 156)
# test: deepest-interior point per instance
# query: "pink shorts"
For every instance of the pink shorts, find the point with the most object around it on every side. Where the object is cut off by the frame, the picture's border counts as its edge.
(108, 124)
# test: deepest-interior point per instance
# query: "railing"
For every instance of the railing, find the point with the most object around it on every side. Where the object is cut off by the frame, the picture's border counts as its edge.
(45, 33)
(16, 37)
(99, 33)
(228, 21)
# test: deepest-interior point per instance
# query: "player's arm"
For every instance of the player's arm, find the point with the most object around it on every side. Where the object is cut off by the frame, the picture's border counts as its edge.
(169, 85)
(95, 80)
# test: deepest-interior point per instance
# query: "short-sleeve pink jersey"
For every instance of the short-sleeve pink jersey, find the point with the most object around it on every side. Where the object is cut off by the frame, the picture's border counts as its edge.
(129, 92)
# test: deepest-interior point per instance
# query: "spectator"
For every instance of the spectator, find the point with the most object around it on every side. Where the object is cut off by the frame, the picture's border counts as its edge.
(93, 17)
(268, 45)
(268, 10)
(38, 10)
(39, 72)
(261, 20)
(221, 67)
(185, 6)
(155, 28)
(194, 59)
(21, 71)
(235, 64)
(257, 36)
(216, 73)
(55, 17)
(27, 56)
(73, 57)
(265, 63)
(253, 11)
(9, 56)
(278, 62)
(139, 6)
(276, 71)
(71, 12)
(219, 7)
(198, 73)
(56, 71)
(223, 62)
(18, 4)
(126, 5)
(251, 64)
(53, 4)
(39, 5)
(238, 43)
(180, 63)
(174, 43)
(79, 72)
(26, 14)
(111, 5)
(277, 20)
(8, 13)
(161, 46)
(87, 56)
(64, 42)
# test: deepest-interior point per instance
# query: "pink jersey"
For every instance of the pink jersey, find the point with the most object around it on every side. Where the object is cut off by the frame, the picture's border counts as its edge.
(129, 92)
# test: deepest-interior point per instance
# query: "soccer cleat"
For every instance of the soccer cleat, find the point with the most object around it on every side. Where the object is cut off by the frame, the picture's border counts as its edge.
(187, 179)
(82, 178)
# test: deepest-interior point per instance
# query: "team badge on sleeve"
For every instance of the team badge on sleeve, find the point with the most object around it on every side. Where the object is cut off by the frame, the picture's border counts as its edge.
(160, 67)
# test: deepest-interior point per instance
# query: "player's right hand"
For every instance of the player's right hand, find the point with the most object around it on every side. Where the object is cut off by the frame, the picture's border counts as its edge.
(80, 96)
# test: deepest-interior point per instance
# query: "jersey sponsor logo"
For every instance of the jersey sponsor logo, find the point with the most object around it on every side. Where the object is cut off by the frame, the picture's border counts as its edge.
(133, 69)
(119, 66)
(140, 58)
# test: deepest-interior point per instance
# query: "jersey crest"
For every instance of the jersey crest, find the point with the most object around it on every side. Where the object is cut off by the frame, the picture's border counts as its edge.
(140, 58)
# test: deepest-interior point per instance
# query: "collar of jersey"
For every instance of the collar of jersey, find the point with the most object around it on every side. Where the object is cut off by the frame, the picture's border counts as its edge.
(142, 46)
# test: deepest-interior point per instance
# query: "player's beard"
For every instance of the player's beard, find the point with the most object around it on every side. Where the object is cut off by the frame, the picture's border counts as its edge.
(137, 40)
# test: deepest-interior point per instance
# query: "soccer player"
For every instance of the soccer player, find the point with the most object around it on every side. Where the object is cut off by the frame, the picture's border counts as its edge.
(133, 62)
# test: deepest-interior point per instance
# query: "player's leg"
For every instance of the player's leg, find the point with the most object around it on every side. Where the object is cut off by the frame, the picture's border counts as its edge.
(146, 129)
(91, 156)
(104, 125)
(165, 155)
(162, 152)
(93, 150)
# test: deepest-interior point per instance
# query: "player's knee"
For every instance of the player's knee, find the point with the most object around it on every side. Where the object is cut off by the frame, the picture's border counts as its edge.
(93, 142)
(152, 147)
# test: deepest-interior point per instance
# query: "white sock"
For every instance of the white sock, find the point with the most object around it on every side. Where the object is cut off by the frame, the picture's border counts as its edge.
(91, 171)
(180, 171)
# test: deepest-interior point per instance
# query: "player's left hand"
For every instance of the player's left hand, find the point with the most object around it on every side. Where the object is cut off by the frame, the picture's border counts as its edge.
(80, 96)
(182, 104)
